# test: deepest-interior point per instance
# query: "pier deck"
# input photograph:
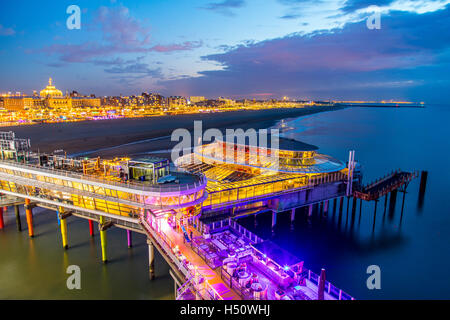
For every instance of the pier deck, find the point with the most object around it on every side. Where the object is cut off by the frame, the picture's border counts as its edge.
(383, 186)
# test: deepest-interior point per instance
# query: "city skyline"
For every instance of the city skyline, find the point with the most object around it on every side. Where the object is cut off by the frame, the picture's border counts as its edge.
(237, 49)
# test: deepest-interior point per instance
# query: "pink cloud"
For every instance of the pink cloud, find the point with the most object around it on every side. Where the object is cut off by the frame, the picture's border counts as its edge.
(6, 31)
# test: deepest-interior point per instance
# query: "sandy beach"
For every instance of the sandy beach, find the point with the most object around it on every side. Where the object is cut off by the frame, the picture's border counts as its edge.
(126, 136)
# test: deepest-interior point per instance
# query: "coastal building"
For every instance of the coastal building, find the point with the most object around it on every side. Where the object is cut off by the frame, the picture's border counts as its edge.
(244, 176)
(176, 101)
(50, 97)
(196, 99)
(89, 102)
(50, 90)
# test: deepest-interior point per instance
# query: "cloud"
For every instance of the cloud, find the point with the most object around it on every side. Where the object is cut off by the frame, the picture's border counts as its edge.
(290, 16)
(353, 5)
(353, 62)
(225, 7)
(6, 31)
(120, 34)
(185, 46)
(120, 28)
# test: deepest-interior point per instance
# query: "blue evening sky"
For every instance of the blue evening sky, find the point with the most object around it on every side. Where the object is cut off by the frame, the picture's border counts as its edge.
(307, 49)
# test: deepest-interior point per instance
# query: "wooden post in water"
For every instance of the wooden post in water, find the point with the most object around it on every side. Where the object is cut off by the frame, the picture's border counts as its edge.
(325, 208)
(422, 188)
(374, 215)
(18, 222)
(360, 211)
(341, 208)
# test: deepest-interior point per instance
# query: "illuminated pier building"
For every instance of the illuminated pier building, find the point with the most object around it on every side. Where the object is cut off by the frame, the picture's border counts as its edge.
(187, 213)
(243, 177)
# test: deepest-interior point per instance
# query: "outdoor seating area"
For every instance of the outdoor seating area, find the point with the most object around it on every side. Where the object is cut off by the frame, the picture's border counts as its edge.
(218, 247)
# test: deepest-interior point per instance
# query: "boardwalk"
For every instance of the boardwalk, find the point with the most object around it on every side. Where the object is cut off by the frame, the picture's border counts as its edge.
(213, 277)
(383, 186)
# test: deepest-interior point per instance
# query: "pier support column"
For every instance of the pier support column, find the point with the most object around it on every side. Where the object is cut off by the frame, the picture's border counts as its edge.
(341, 206)
(354, 205)
(325, 208)
(348, 205)
(292, 219)
(129, 239)
(58, 217)
(422, 189)
(374, 215)
(103, 240)
(91, 228)
(360, 211)
(18, 222)
(29, 214)
(292, 215)
(274, 219)
(321, 286)
(151, 260)
(2, 223)
(63, 224)
(310, 210)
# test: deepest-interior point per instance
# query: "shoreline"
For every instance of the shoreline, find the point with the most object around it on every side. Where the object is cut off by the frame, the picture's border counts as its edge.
(104, 137)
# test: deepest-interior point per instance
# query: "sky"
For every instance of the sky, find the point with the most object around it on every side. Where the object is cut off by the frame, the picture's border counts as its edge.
(302, 49)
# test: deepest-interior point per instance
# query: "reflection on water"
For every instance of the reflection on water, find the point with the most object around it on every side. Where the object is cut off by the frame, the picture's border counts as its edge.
(36, 268)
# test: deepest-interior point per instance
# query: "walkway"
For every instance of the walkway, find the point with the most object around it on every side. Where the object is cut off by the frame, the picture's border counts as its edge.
(213, 277)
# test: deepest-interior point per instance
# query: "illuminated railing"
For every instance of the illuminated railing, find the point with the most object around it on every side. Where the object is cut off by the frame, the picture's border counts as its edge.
(205, 289)
(271, 188)
(98, 179)
(243, 231)
(333, 291)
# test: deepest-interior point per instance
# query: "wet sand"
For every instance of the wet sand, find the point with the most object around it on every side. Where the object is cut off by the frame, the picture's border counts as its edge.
(126, 136)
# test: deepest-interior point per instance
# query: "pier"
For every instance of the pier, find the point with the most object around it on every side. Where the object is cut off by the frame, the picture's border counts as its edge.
(385, 185)
(391, 184)
(187, 212)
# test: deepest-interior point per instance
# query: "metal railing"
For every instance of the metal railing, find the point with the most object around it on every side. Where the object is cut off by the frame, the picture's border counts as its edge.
(312, 182)
(329, 288)
(253, 238)
(97, 179)
(203, 288)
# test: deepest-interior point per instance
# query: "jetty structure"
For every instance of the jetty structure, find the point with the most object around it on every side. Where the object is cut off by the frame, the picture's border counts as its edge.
(189, 212)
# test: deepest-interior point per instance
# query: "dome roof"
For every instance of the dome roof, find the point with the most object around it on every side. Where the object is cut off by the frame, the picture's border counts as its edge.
(50, 90)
